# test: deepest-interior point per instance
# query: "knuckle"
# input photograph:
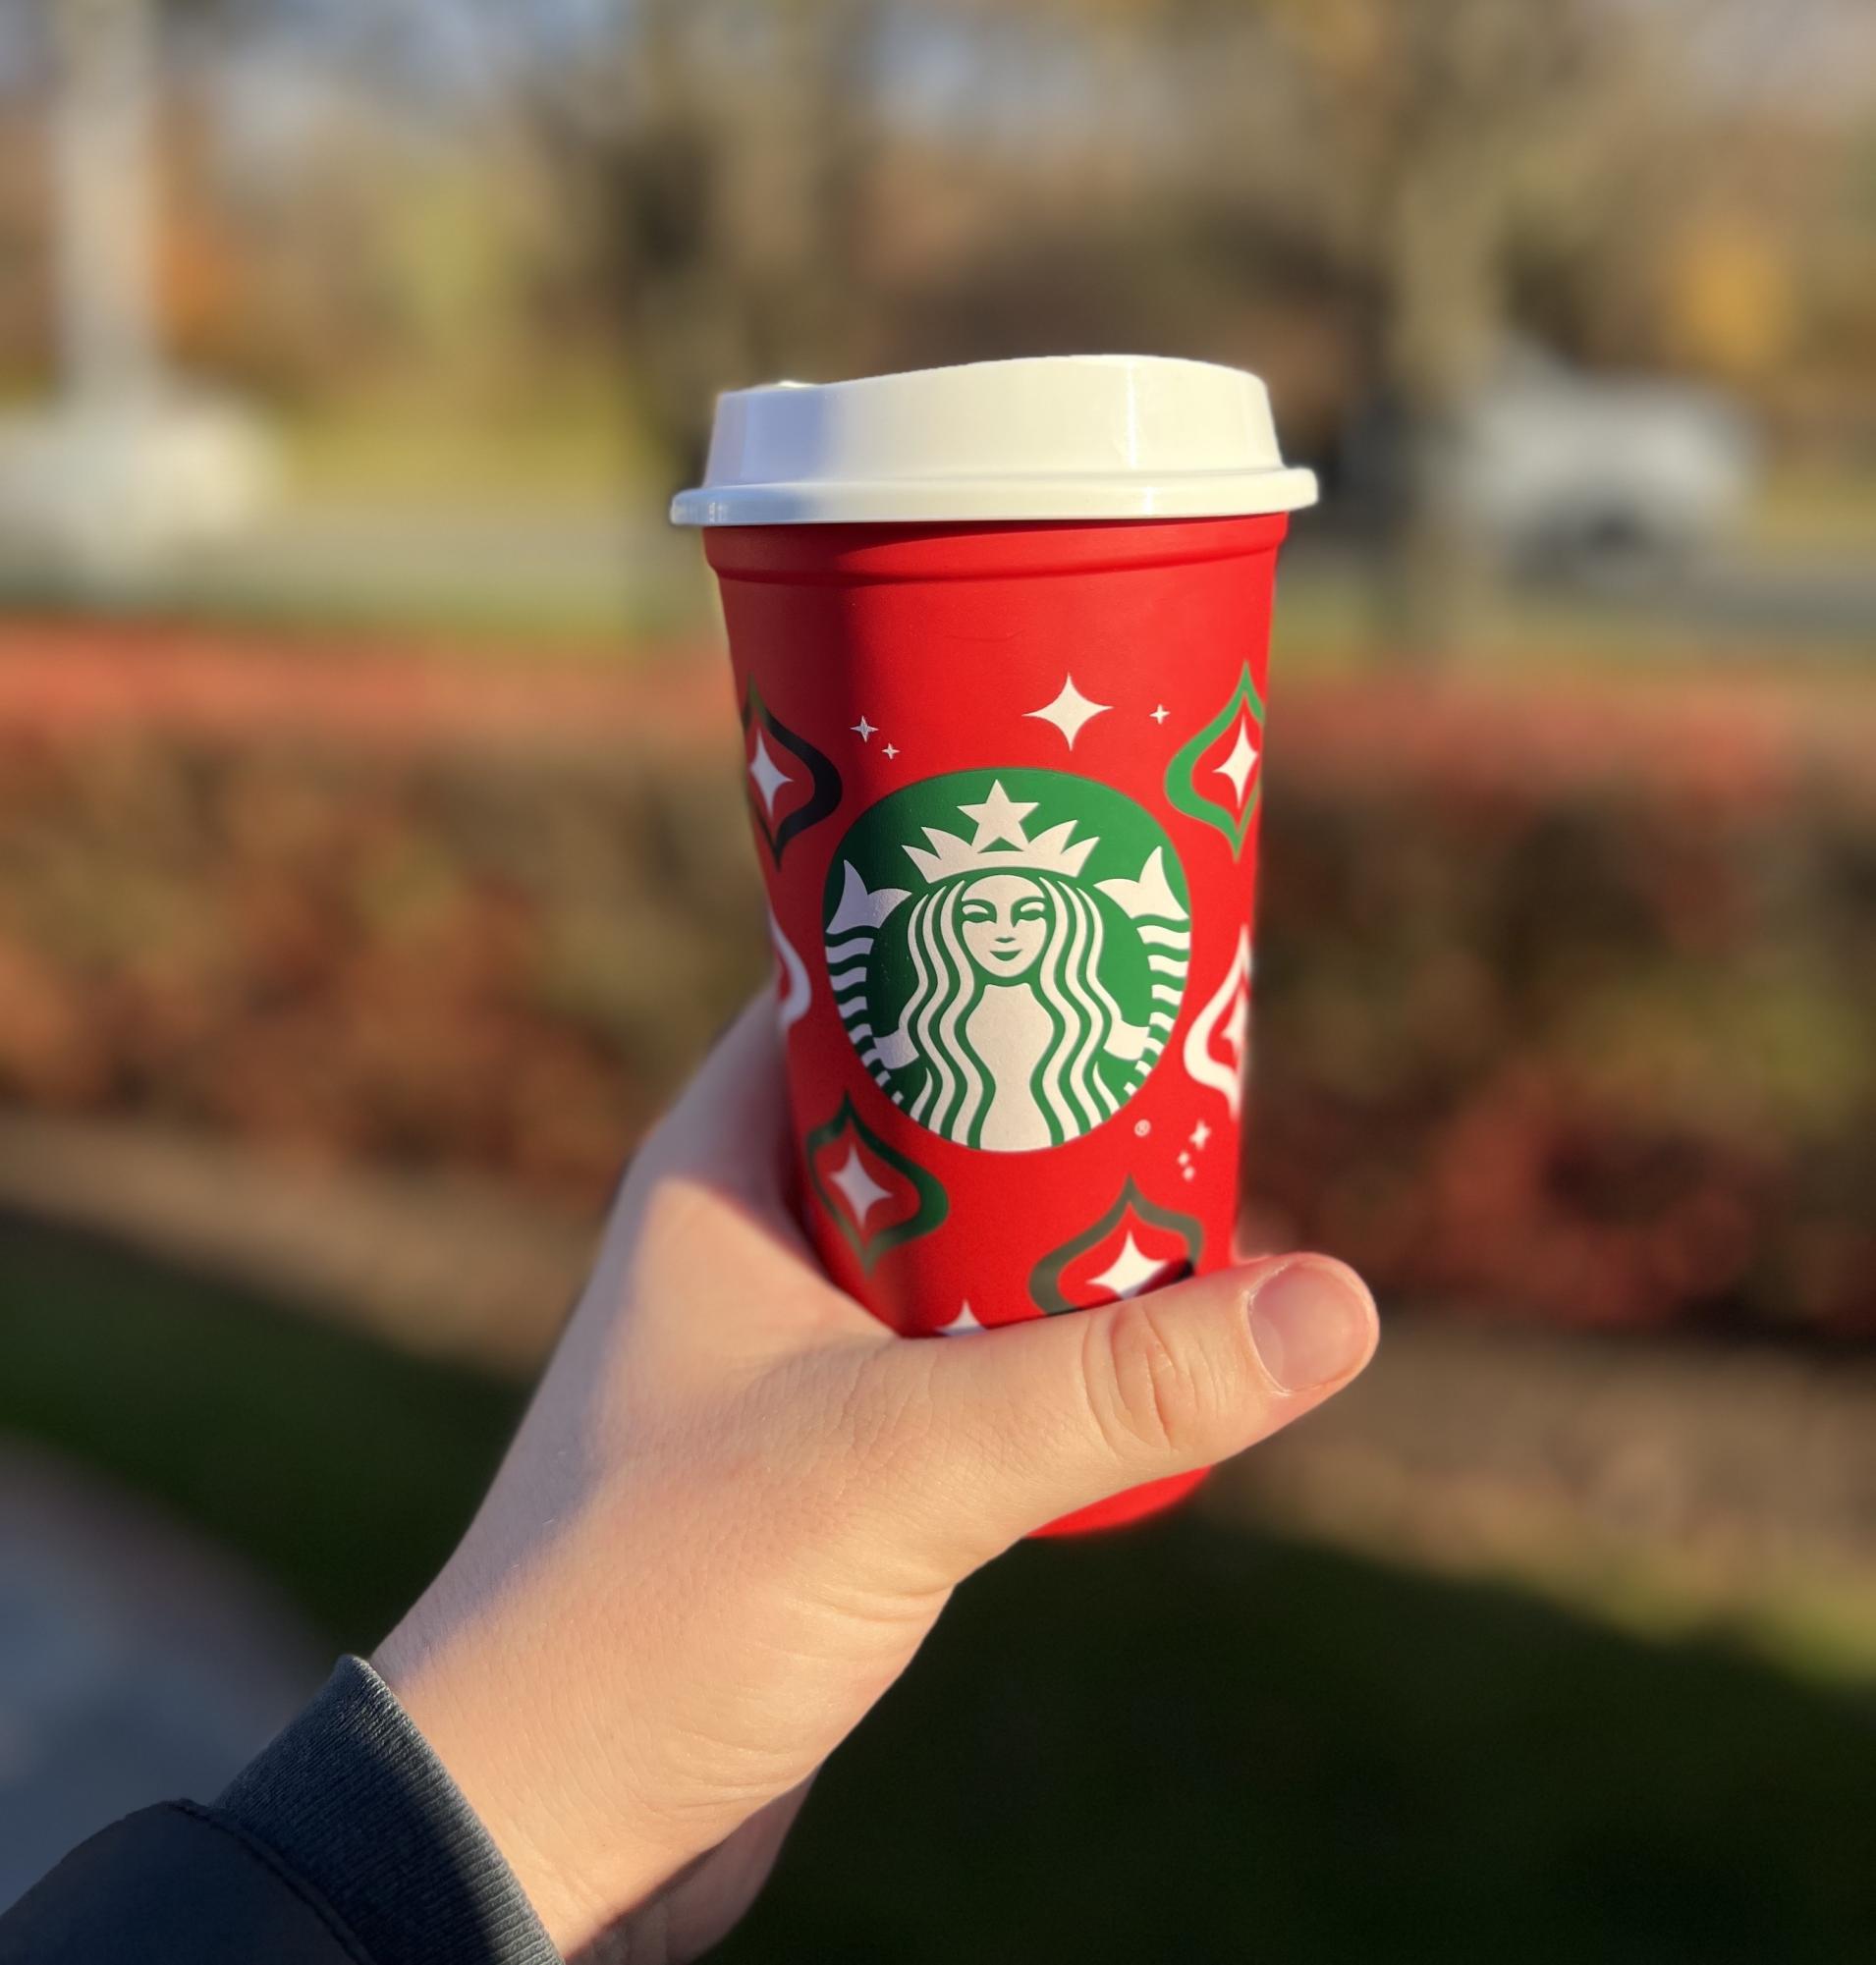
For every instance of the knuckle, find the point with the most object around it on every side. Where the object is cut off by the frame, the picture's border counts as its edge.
(1145, 1390)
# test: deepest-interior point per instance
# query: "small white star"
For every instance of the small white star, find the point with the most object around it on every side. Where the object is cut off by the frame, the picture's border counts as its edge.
(1160, 714)
(1185, 1159)
(861, 1191)
(1202, 1132)
(1189, 1172)
(1070, 710)
(998, 817)
(890, 749)
(1242, 760)
(768, 775)
(962, 1325)
(1131, 1271)
(864, 729)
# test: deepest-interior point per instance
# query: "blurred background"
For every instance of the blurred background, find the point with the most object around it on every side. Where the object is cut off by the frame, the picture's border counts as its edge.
(372, 864)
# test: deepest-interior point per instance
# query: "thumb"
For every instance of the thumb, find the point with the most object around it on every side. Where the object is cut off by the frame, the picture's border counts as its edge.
(1036, 1419)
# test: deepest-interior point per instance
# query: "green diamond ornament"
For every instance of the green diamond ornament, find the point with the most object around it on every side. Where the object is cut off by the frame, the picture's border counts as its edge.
(1236, 765)
(1135, 1244)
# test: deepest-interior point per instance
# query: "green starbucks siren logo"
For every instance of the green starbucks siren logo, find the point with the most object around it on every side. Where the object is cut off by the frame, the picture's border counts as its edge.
(1007, 950)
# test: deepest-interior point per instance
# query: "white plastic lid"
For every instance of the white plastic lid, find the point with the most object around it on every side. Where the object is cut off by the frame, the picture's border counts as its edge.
(1068, 436)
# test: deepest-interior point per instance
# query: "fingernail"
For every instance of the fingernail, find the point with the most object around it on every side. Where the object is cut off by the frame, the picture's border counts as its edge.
(1313, 1322)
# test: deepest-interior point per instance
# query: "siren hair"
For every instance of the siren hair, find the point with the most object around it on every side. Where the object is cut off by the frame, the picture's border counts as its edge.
(1069, 1084)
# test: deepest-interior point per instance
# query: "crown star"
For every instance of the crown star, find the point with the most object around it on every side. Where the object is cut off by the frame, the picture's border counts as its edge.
(1001, 841)
(998, 817)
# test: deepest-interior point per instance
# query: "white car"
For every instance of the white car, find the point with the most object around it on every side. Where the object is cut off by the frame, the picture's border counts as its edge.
(112, 488)
(1564, 469)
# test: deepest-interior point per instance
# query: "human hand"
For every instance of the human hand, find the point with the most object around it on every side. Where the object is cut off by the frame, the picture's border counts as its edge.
(737, 1504)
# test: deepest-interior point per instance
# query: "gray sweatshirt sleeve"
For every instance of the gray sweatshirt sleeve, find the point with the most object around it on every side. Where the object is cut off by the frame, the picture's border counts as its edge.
(344, 1842)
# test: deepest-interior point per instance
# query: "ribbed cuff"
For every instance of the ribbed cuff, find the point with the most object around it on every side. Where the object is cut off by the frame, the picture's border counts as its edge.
(351, 1797)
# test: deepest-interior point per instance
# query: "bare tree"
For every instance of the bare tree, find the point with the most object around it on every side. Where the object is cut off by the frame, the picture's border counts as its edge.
(720, 153)
(105, 110)
(1427, 142)
(1417, 152)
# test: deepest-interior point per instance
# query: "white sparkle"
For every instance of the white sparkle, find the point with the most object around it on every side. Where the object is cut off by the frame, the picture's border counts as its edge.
(768, 775)
(1242, 760)
(962, 1325)
(1070, 710)
(1189, 1172)
(1160, 714)
(890, 749)
(999, 817)
(1185, 1159)
(864, 729)
(861, 1191)
(1202, 1132)
(1131, 1271)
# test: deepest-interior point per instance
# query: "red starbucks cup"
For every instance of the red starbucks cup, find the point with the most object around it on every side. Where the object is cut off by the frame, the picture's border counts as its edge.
(1000, 636)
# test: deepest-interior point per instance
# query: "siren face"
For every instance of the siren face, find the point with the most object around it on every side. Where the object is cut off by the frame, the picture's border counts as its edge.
(1006, 920)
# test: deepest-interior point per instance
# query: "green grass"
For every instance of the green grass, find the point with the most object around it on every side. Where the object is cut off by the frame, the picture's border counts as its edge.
(343, 1468)
(1819, 507)
(566, 445)
(1187, 1744)
(1183, 1743)
(601, 620)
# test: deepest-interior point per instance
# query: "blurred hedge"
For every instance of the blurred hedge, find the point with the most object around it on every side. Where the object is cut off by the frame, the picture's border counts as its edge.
(405, 958)
(1564, 1000)
(1567, 1000)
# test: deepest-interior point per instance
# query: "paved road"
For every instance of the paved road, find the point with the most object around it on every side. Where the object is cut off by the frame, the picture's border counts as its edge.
(1748, 596)
(137, 1663)
(611, 570)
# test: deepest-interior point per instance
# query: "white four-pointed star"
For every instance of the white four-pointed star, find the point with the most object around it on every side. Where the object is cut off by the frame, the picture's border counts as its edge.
(962, 1325)
(768, 775)
(864, 729)
(1070, 710)
(1131, 1271)
(999, 817)
(1239, 766)
(861, 1191)
(1202, 1132)
(1160, 713)
(861, 907)
(890, 749)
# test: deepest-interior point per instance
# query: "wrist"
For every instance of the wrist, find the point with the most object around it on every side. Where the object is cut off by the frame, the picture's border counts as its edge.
(492, 1715)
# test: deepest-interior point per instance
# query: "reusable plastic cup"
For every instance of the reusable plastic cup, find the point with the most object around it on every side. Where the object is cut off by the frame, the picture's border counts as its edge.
(999, 635)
